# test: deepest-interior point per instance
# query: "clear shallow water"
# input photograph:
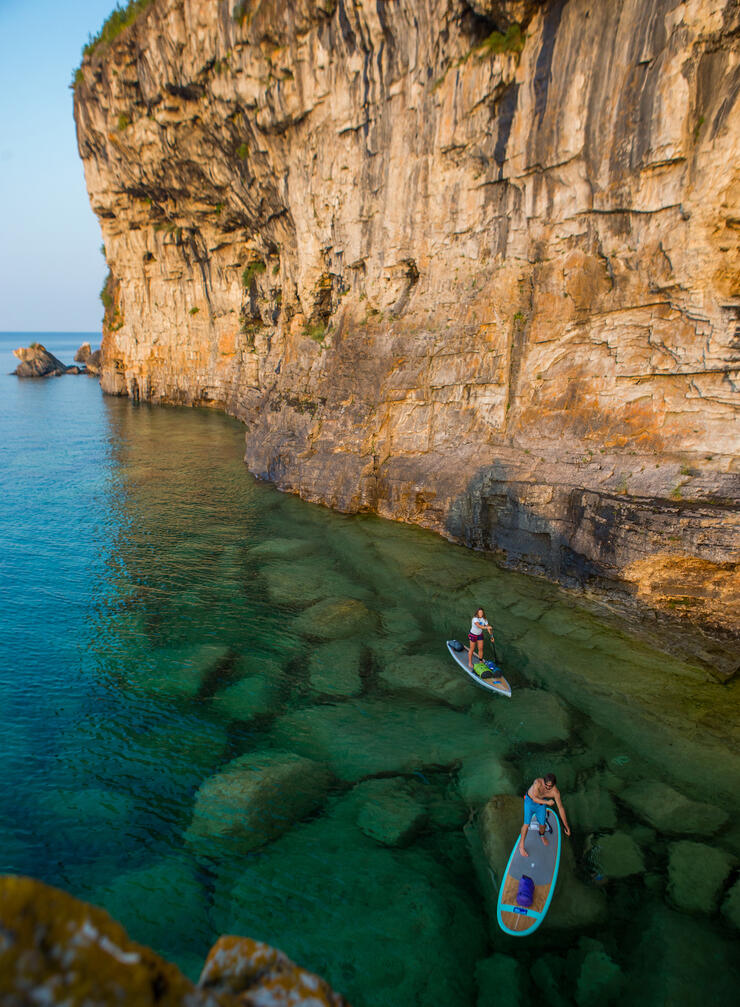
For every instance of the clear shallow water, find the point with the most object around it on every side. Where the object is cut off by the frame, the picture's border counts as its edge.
(160, 620)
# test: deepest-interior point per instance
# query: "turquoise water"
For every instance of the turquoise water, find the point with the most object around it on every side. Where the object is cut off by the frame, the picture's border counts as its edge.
(225, 710)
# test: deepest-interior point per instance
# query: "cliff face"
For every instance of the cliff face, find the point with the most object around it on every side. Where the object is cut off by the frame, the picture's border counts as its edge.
(467, 264)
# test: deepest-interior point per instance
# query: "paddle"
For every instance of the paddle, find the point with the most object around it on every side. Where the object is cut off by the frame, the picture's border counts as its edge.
(495, 655)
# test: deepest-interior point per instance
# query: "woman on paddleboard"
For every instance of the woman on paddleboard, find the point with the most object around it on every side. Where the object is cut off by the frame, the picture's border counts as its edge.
(476, 635)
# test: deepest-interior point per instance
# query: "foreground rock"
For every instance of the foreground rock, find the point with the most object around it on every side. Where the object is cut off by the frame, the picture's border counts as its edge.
(37, 362)
(58, 950)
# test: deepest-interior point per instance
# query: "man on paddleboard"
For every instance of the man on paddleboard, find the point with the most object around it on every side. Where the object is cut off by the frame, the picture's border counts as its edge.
(542, 794)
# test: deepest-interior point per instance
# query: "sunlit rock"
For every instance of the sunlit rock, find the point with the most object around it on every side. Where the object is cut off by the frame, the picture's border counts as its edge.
(57, 950)
(254, 799)
(262, 975)
(696, 875)
(37, 362)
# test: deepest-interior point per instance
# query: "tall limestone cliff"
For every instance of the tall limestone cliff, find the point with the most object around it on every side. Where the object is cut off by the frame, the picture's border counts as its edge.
(467, 263)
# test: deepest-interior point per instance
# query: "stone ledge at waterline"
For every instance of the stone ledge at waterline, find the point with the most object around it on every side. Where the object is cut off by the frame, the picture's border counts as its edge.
(467, 265)
(55, 949)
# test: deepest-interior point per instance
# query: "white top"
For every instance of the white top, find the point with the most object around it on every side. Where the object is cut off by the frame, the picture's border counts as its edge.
(478, 626)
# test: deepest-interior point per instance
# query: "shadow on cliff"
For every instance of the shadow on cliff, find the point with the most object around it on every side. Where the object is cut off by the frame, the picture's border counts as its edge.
(586, 538)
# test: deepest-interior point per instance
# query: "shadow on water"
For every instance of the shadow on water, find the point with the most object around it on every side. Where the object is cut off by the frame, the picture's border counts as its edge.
(253, 726)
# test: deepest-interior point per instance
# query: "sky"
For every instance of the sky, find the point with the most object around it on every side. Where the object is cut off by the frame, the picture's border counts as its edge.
(51, 267)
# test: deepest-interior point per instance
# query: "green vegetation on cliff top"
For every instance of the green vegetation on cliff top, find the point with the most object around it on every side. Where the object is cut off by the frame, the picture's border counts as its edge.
(119, 19)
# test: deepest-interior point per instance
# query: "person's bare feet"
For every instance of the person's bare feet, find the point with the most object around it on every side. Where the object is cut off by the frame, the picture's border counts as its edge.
(544, 841)
(522, 850)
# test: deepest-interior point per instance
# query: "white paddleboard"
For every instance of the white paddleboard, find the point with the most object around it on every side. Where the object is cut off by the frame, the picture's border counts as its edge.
(495, 684)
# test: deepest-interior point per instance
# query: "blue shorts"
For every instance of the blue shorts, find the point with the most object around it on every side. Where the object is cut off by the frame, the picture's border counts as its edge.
(532, 808)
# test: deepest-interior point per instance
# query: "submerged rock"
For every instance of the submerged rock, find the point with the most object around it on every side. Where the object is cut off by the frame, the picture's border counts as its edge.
(600, 981)
(346, 892)
(367, 738)
(502, 982)
(482, 776)
(254, 799)
(37, 362)
(180, 672)
(91, 818)
(680, 961)
(731, 905)
(575, 905)
(430, 677)
(388, 811)
(669, 811)
(335, 618)
(282, 548)
(696, 875)
(334, 668)
(532, 716)
(254, 696)
(616, 855)
(163, 902)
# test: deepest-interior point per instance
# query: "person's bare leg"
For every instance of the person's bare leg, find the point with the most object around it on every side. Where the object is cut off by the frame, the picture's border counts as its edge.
(480, 650)
(470, 654)
(545, 842)
(522, 850)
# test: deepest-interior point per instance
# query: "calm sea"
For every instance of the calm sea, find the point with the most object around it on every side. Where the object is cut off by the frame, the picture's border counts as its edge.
(223, 710)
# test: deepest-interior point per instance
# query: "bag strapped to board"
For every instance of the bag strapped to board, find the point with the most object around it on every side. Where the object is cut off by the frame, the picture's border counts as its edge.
(525, 895)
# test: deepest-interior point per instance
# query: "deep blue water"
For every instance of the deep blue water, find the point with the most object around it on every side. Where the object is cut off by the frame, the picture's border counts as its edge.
(164, 614)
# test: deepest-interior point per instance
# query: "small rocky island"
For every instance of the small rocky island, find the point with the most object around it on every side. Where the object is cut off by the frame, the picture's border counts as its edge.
(37, 362)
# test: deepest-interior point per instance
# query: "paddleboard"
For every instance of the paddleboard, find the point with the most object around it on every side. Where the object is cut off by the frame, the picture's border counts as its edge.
(496, 684)
(542, 867)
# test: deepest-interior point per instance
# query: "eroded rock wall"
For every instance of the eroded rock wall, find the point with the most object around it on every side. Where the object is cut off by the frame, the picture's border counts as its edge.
(468, 264)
